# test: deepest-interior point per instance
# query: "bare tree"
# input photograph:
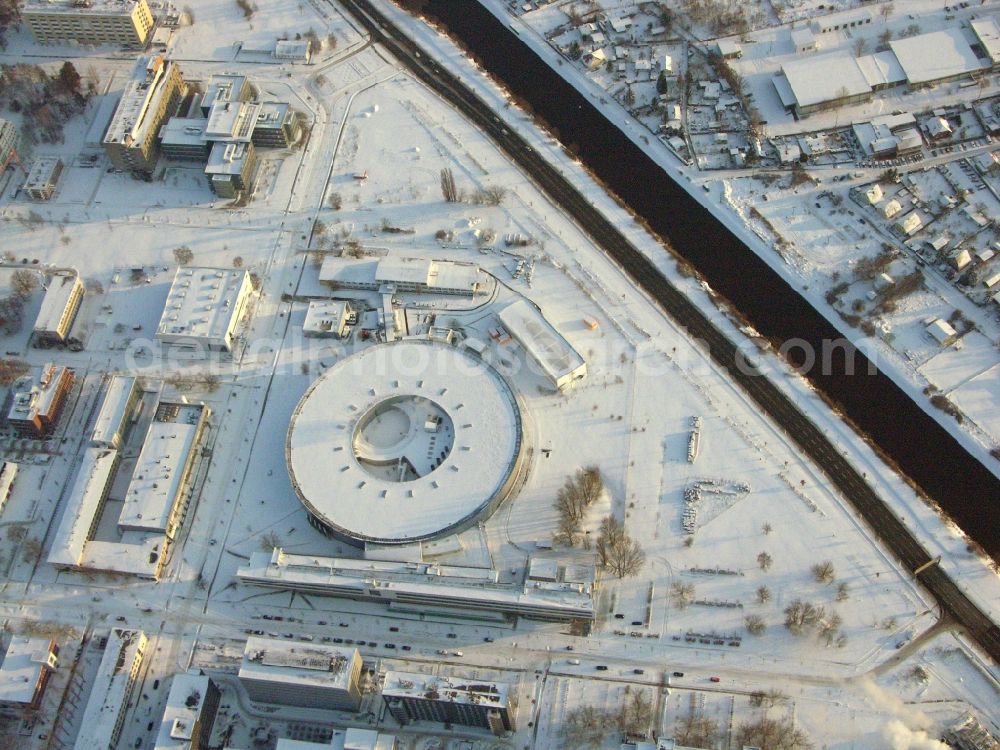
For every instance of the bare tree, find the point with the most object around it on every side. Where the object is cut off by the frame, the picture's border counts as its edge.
(636, 713)
(755, 624)
(682, 594)
(617, 551)
(576, 495)
(843, 594)
(183, 255)
(23, 282)
(585, 726)
(11, 370)
(694, 729)
(763, 594)
(238, 261)
(765, 529)
(774, 734)
(823, 572)
(801, 617)
(764, 561)
(829, 627)
(269, 541)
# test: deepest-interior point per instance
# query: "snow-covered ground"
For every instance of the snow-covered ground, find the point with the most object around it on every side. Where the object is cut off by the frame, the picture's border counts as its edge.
(631, 416)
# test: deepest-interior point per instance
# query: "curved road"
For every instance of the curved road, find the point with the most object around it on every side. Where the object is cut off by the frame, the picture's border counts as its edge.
(772, 401)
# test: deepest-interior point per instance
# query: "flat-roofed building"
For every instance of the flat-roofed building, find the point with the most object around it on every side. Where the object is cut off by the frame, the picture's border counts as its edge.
(327, 319)
(231, 168)
(104, 715)
(452, 590)
(413, 696)
(987, 31)
(183, 139)
(40, 184)
(277, 126)
(192, 705)
(822, 82)
(155, 499)
(117, 408)
(39, 401)
(297, 50)
(231, 122)
(124, 23)
(351, 738)
(148, 100)
(301, 674)
(59, 309)
(558, 360)
(27, 665)
(936, 57)
(10, 142)
(8, 473)
(83, 509)
(417, 275)
(226, 88)
(205, 307)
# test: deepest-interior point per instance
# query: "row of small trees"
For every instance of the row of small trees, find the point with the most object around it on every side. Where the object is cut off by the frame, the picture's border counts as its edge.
(587, 726)
(490, 195)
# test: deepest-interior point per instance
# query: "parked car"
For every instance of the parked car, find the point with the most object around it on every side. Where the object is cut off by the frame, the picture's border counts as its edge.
(715, 679)
(601, 668)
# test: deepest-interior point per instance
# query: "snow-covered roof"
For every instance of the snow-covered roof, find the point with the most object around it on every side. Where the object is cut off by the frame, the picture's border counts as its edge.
(825, 78)
(231, 121)
(298, 663)
(159, 470)
(447, 687)
(479, 416)
(436, 275)
(84, 501)
(44, 172)
(142, 95)
(942, 331)
(803, 38)
(185, 704)
(60, 293)
(938, 54)
(881, 69)
(348, 272)
(432, 584)
(224, 87)
(553, 353)
(203, 303)
(987, 31)
(184, 131)
(111, 689)
(114, 410)
(22, 668)
(325, 316)
(38, 397)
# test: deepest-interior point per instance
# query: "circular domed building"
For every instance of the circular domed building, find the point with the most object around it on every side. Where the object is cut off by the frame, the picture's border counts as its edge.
(405, 442)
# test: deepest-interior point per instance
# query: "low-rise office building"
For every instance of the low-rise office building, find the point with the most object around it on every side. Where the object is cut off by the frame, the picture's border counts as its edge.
(109, 698)
(40, 184)
(231, 168)
(412, 696)
(327, 319)
(59, 309)
(301, 674)
(192, 705)
(124, 23)
(277, 126)
(393, 274)
(8, 473)
(204, 308)
(10, 141)
(27, 665)
(116, 410)
(38, 402)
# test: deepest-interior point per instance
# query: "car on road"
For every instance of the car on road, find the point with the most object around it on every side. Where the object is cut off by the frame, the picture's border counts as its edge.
(393, 629)
(601, 668)
(338, 640)
(390, 645)
(573, 661)
(638, 671)
(405, 648)
(715, 679)
(452, 635)
(488, 639)
(678, 674)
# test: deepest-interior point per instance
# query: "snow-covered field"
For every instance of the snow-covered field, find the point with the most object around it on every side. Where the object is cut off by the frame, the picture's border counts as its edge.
(765, 516)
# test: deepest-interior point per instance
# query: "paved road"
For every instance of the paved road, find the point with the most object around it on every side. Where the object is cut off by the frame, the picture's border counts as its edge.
(772, 401)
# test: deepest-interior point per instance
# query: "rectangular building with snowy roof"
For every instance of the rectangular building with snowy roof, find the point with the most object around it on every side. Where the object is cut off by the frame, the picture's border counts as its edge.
(327, 319)
(301, 674)
(25, 671)
(131, 141)
(125, 23)
(822, 82)
(396, 274)
(40, 184)
(117, 408)
(559, 361)
(105, 712)
(83, 508)
(192, 705)
(36, 407)
(154, 501)
(935, 57)
(204, 308)
(458, 591)
(59, 308)
(413, 696)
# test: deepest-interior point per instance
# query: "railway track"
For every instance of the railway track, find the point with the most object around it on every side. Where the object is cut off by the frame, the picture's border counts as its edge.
(779, 407)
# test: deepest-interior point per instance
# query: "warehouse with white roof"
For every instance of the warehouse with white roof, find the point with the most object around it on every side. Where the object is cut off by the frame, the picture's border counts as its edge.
(393, 274)
(204, 308)
(558, 360)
